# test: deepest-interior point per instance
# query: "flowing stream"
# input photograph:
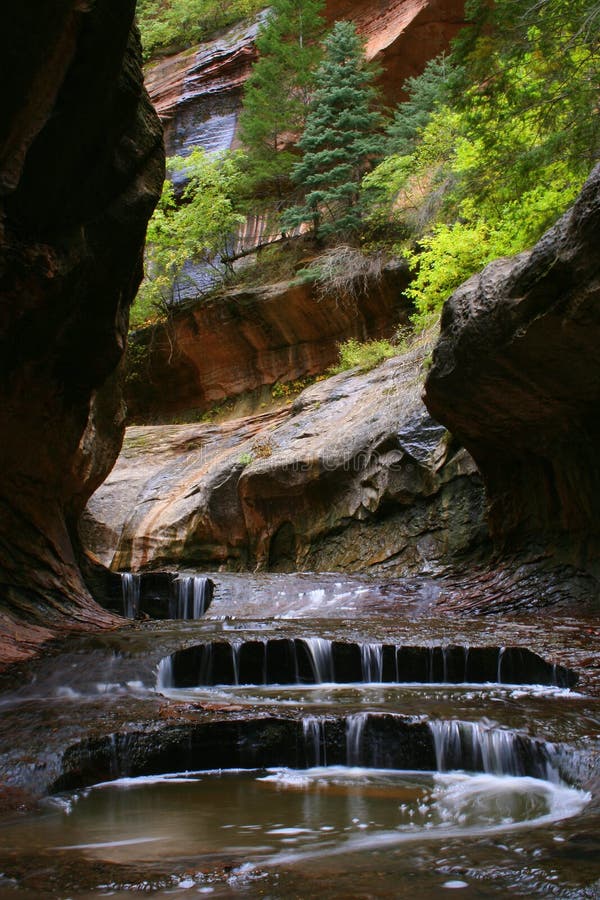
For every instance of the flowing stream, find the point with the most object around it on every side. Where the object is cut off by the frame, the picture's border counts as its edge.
(306, 736)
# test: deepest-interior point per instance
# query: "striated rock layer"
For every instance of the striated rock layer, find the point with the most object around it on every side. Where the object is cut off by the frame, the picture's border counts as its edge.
(198, 92)
(249, 338)
(516, 378)
(353, 476)
(81, 166)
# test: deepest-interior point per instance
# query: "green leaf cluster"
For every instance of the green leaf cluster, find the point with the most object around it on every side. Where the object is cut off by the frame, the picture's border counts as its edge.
(494, 142)
(196, 227)
(363, 355)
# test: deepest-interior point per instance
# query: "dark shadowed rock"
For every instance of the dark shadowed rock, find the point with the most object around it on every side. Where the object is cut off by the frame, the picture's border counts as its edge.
(516, 378)
(81, 165)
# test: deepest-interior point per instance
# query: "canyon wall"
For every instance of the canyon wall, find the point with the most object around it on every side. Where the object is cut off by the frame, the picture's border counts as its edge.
(198, 92)
(81, 167)
(516, 378)
(354, 475)
(249, 338)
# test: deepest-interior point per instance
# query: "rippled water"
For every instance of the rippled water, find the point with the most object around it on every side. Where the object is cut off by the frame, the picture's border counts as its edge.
(285, 816)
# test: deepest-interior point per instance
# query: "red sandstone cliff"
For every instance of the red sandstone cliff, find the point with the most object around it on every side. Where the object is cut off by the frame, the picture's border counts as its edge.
(197, 93)
(253, 337)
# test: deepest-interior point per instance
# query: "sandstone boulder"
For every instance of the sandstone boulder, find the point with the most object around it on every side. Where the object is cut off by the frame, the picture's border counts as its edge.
(354, 476)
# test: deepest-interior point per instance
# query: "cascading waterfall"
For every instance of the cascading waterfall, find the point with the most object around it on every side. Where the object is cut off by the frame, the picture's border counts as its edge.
(355, 728)
(295, 661)
(499, 670)
(191, 596)
(321, 657)
(470, 745)
(236, 646)
(131, 587)
(315, 744)
(164, 674)
(371, 657)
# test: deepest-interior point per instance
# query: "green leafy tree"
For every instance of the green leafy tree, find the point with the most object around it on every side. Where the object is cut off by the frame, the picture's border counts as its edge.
(277, 93)
(505, 148)
(340, 139)
(196, 228)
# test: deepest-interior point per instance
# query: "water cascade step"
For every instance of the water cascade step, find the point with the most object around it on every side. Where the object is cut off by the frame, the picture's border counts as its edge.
(164, 595)
(192, 597)
(476, 748)
(131, 587)
(314, 660)
(374, 740)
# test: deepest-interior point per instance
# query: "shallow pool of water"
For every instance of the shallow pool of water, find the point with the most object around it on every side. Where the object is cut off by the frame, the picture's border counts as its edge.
(283, 816)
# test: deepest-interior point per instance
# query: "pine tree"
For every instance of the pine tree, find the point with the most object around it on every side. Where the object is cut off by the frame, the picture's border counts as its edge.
(277, 93)
(426, 93)
(340, 139)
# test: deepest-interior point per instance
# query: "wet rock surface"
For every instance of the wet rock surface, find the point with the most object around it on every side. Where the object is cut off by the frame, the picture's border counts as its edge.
(92, 712)
(354, 475)
(516, 378)
(81, 166)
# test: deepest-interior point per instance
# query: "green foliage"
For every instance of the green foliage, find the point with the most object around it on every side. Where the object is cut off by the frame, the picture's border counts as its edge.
(452, 253)
(363, 356)
(171, 25)
(486, 162)
(277, 93)
(339, 139)
(425, 94)
(287, 390)
(197, 228)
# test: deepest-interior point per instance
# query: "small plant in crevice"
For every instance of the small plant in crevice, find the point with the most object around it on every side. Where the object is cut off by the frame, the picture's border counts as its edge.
(287, 390)
(364, 355)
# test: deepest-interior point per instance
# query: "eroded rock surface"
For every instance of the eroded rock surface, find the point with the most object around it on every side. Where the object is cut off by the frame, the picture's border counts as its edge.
(198, 93)
(222, 347)
(355, 476)
(81, 166)
(516, 377)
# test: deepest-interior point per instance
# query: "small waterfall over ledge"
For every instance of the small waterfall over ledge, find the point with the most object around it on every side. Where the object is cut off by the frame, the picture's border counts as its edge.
(371, 740)
(162, 595)
(495, 751)
(131, 585)
(313, 660)
(192, 597)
